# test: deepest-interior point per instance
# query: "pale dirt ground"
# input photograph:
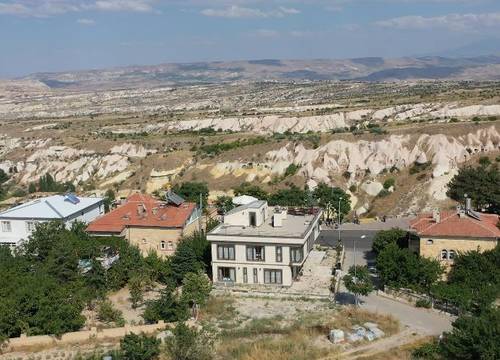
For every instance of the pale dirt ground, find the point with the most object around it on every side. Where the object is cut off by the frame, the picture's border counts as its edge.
(120, 301)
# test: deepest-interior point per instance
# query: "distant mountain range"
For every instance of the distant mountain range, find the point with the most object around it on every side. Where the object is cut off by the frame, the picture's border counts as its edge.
(357, 69)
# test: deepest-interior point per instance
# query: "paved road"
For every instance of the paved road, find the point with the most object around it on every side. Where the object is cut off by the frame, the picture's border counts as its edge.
(422, 321)
(330, 238)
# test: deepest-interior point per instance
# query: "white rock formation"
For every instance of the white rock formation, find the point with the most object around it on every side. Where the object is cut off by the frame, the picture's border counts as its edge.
(372, 188)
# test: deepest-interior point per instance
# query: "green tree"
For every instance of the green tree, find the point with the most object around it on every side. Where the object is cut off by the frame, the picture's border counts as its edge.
(400, 268)
(386, 237)
(292, 196)
(139, 347)
(358, 280)
(3, 177)
(224, 203)
(107, 313)
(246, 188)
(136, 291)
(191, 191)
(196, 288)
(32, 188)
(109, 197)
(474, 337)
(190, 344)
(328, 198)
(481, 184)
(192, 255)
(166, 307)
(473, 282)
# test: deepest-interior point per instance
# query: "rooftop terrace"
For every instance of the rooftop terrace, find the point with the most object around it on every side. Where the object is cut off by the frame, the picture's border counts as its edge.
(294, 226)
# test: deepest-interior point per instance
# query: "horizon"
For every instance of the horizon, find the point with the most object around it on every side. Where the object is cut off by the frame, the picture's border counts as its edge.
(79, 35)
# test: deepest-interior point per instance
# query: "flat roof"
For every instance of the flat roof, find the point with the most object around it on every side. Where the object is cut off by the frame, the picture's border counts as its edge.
(51, 207)
(294, 226)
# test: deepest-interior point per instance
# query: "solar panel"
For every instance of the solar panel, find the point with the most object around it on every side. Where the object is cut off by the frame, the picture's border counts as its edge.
(474, 215)
(72, 198)
(174, 198)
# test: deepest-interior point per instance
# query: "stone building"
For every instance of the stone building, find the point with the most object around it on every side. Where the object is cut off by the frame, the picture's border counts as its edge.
(149, 223)
(444, 234)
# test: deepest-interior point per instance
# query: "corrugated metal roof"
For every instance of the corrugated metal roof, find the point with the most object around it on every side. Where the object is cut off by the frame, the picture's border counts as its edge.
(51, 207)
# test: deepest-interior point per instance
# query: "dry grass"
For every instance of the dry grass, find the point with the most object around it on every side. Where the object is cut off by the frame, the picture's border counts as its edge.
(298, 345)
(219, 308)
(386, 323)
(401, 353)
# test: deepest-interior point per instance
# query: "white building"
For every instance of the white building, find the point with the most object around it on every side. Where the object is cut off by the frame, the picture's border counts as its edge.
(258, 244)
(17, 223)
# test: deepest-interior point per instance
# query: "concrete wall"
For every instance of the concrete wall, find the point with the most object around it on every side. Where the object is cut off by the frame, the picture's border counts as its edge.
(242, 218)
(25, 343)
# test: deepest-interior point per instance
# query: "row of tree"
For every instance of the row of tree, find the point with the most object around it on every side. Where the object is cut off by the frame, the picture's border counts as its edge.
(323, 195)
(50, 279)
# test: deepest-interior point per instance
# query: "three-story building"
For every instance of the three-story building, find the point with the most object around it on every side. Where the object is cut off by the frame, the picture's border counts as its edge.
(258, 244)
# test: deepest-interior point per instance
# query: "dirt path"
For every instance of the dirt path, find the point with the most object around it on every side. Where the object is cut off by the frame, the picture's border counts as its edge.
(405, 337)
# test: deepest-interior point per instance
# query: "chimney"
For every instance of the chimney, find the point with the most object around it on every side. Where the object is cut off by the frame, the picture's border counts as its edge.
(468, 204)
(141, 209)
(436, 215)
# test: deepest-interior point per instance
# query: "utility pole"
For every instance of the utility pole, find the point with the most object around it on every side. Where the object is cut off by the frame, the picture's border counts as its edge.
(200, 214)
(338, 212)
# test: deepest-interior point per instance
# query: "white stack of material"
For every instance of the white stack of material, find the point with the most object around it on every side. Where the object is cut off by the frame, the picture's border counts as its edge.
(336, 336)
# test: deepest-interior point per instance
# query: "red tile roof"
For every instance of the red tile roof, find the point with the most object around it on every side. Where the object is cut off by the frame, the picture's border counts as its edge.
(453, 225)
(142, 210)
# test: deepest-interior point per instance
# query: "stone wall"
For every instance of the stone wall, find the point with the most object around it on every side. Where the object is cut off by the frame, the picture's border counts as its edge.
(27, 343)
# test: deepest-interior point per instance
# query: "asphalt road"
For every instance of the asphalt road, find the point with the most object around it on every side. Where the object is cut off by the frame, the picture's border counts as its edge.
(348, 237)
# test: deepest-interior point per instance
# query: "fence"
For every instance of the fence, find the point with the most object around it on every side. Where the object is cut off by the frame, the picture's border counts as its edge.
(25, 343)
(411, 297)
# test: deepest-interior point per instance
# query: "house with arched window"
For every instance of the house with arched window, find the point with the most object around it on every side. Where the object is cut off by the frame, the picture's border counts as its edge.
(442, 235)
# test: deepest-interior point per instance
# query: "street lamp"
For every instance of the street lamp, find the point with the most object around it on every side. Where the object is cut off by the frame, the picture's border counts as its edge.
(338, 212)
(355, 277)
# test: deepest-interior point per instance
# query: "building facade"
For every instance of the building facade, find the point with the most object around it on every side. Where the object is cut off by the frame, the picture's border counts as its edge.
(442, 235)
(260, 245)
(17, 223)
(149, 223)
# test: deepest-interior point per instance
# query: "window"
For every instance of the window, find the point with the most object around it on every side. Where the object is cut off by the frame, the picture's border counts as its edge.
(273, 277)
(163, 245)
(245, 275)
(255, 276)
(255, 253)
(444, 254)
(225, 252)
(451, 255)
(430, 242)
(6, 227)
(279, 254)
(226, 274)
(170, 245)
(296, 254)
(30, 226)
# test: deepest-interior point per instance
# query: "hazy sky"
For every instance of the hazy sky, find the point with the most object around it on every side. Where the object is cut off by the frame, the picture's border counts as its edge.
(53, 35)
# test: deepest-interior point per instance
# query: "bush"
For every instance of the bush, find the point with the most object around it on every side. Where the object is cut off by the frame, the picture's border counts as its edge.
(189, 344)
(422, 303)
(388, 183)
(108, 314)
(139, 347)
(416, 167)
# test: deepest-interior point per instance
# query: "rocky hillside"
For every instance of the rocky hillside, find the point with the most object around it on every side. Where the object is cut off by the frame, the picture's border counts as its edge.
(364, 69)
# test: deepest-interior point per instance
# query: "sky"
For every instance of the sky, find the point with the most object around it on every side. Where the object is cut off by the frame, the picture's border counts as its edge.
(63, 35)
